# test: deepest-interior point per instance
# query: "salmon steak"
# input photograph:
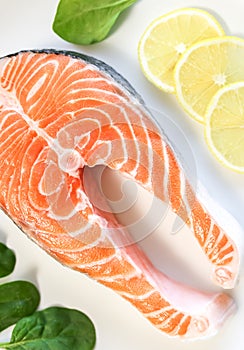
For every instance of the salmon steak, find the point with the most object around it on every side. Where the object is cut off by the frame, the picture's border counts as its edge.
(62, 113)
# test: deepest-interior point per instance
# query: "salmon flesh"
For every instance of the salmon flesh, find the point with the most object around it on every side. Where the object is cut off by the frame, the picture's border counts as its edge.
(61, 112)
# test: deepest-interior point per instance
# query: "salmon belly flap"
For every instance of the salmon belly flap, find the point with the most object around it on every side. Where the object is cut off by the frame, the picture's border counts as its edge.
(61, 112)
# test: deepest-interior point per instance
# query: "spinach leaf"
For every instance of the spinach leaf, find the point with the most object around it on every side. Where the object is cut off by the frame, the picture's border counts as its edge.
(17, 299)
(7, 260)
(54, 328)
(87, 21)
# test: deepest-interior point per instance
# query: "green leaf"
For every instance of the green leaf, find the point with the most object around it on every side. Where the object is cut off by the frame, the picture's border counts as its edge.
(54, 328)
(17, 299)
(87, 21)
(7, 260)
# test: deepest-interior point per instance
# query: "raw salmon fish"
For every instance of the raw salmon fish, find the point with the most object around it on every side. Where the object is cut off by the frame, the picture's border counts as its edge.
(61, 112)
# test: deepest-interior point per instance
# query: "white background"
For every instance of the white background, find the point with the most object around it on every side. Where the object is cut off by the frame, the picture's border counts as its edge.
(27, 24)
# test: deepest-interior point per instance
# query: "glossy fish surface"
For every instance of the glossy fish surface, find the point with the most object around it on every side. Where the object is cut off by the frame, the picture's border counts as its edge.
(61, 112)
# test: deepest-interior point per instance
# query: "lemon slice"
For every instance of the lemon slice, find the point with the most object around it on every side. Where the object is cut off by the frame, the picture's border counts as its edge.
(167, 37)
(205, 68)
(224, 128)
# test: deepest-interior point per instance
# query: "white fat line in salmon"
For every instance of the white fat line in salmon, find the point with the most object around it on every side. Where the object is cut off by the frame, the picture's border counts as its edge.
(19, 68)
(91, 81)
(184, 204)
(92, 264)
(133, 136)
(118, 277)
(18, 139)
(42, 82)
(102, 161)
(168, 318)
(8, 101)
(38, 67)
(208, 241)
(96, 243)
(3, 65)
(123, 142)
(9, 114)
(209, 247)
(97, 91)
(226, 256)
(17, 134)
(130, 125)
(30, 122)
(78, 136)
(34, 125)
(175, 332)
(166, 172)
(134, 171)
(81, 205)
(109, 143)
(225, 247)
(137, 297)
(81, 230)
(70, 66)
(155, 313)
(35, 88)
(86, 138)
(110, 122)
(28, 76)
(42, 183)
(150, 152)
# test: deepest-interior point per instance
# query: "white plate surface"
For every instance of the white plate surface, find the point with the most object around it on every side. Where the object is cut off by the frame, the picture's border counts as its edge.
(27, 24)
